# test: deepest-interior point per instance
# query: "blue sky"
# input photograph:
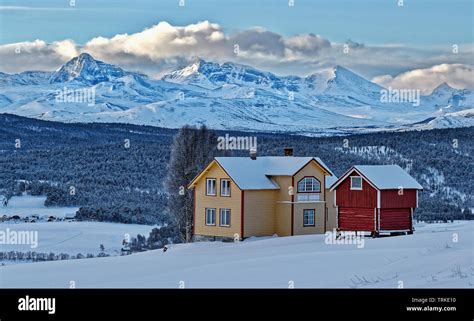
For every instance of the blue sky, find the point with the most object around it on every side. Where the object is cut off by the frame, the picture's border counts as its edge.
(409, 45)
(418, 22)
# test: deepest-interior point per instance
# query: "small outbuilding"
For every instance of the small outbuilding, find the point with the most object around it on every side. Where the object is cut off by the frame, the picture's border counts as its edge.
(376, 199)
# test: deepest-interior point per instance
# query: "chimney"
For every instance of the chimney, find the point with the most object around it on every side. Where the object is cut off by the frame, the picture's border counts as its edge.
(253, 153)
(288, 151)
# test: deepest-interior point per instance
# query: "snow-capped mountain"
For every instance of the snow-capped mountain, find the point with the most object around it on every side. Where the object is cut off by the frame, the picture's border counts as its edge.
(340, 81)
(24, 79)
(449, 97)
(463, 118)
(213, 75)
(224, 96)
(86, 69)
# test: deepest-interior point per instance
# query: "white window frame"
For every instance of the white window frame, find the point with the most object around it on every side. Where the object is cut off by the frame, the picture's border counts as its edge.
(356, 188)
(210, 210)
(208, 181)
(225, 191)
(313, 217)
(222, 214)
(308, 197)
(303, 180)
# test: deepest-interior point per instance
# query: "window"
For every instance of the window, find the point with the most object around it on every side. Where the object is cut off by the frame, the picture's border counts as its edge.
(225, 187)
(309, 185)
(225, 217)
(308, 218)
(210, 216)
(308, 197)
(356, 182)
(211, 186)
(308, 190)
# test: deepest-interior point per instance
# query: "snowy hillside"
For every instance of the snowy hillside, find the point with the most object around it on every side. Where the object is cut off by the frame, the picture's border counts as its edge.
(463, 118)
(436, 256)
(223, 96)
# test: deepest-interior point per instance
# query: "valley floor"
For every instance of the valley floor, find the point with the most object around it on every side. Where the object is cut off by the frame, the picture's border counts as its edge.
(436, 256)
(74, 237)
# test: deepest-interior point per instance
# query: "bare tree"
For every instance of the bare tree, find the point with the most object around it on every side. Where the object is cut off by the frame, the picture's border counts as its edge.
(191, 151)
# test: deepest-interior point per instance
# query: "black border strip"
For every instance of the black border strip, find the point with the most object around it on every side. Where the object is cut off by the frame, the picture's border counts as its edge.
(238, 304)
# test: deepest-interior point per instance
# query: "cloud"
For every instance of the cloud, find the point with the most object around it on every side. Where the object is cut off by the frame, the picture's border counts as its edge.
(161, 47)
(162, 41)
(456, 75)
(36, 55)
(304, 46)
(354, 45)
(164, 47)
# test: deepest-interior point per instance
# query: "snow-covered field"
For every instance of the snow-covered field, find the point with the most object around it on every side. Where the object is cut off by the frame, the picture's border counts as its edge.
(75, 237)
(436, 256)
(28, 205)
(63, 237)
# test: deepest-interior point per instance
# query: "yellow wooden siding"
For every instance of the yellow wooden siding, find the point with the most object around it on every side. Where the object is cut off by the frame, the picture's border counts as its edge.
(259, 209)
(311, 169)
(283, 206)
(202, 201)
(319, 218)
(266, 212)
(331, 219)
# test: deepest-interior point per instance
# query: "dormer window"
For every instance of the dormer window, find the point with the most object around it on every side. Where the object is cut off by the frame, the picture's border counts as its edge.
(309, 185)
(309, 189)
(211, 186)
(225, 187)
(356, 183)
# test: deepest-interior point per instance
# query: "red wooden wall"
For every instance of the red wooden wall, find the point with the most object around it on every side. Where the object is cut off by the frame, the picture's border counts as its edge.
(395, 219)
(356, 219)
(391, 199)
(366, 198)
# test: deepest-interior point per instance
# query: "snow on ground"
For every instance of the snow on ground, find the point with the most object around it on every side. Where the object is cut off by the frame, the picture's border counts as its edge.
(28, 205)
(64, 237)
(75, 237)
(429, 258)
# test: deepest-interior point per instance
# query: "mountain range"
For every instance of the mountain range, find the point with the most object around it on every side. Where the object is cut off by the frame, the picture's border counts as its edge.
(227, 96)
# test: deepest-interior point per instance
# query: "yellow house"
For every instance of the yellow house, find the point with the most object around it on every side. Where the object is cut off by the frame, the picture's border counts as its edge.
(238, 197)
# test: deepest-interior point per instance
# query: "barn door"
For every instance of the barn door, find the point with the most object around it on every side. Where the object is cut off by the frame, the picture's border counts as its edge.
(356, 219)
(394, 219)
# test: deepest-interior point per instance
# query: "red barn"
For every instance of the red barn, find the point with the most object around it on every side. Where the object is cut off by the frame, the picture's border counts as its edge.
(376, 199)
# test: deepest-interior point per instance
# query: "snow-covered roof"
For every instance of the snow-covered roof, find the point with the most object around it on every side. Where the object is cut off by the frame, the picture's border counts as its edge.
(384, 177)
(330, 180)
(248, 173)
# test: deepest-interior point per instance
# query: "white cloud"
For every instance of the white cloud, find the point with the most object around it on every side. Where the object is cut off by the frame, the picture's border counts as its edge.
(163, 47)
(426, 79)
(36, 55)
